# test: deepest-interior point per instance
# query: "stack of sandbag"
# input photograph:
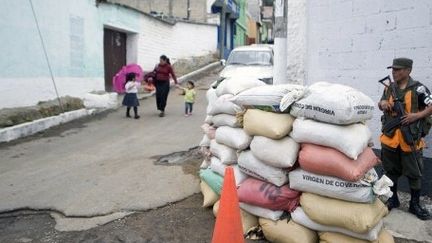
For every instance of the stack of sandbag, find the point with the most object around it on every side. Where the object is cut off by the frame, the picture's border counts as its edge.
(223, 134)
(340, 187)
(271, 152)
(224, 138)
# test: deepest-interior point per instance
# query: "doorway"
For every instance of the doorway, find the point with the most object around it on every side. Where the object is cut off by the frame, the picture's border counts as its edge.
(114, 55)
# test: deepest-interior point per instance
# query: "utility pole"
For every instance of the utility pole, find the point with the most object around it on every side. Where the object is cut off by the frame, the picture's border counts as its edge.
(280, 42)
(170, 8)
(188, 9)
(222, 29)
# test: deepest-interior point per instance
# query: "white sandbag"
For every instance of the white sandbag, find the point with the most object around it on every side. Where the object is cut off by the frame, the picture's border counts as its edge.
(237, 84)
(269, 97)
(224, 105)
(248, 220)
(382, 188)
(333, 187)
(277, 153)
(334, 103)
(208, 130)
(225, 120)
(205, 141)
(350, 140)
(205, 164)
(261, 212)
(252, 166)
(208, 120)
(226, 154)
(235, 138)
(219, 168)
(100, 101)
(300, 217)
(211, 96)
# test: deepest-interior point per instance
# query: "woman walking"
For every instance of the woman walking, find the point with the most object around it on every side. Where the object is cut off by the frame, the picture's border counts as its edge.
(162, 73)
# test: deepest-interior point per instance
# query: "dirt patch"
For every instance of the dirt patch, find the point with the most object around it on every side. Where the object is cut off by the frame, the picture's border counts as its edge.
(14, 116)
(184, 221)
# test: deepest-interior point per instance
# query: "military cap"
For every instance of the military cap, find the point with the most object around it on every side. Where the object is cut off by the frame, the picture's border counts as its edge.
(401, 62)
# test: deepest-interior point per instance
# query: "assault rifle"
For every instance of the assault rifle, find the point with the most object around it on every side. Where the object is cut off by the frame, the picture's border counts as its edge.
(398, 107)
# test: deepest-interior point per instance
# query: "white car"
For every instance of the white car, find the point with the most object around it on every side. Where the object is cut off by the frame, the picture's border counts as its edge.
(255, 61)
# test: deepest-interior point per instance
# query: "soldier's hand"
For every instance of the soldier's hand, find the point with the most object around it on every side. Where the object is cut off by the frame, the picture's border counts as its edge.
(410, 118)
(385, 105)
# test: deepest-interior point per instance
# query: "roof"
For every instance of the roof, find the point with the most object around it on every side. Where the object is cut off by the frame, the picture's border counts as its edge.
(135, 9)
(166, 20)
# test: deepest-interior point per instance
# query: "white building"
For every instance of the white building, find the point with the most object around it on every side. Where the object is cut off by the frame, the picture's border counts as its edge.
(87, 43)
(353, 41)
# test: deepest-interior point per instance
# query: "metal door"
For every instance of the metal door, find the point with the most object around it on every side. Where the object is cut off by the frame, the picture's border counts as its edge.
(114, 55)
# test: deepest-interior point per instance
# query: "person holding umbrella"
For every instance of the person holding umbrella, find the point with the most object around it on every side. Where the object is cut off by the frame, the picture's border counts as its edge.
(161, 77)
(130, 99)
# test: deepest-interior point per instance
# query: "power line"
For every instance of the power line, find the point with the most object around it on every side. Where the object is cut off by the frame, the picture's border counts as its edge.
(46, 56)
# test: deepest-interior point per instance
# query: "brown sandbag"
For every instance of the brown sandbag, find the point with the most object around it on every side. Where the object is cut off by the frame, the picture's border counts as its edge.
(330, 162)
(266, 195)
(332, 237)
(249, 221)
(210, 197)
(216, 208)
(282, 231)
(357, 217)
(267, 124)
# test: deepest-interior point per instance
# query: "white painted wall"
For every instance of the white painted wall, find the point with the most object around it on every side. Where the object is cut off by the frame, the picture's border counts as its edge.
(72, 45)
(177, 41)
(73, 34)
(296, 41)
(353, 41)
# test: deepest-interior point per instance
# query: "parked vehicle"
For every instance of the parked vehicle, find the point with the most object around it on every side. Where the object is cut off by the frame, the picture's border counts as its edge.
(254, 61)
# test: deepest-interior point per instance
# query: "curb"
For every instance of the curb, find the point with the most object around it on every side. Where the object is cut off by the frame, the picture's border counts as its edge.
(185, 78)
(29, 128)
(199, 71)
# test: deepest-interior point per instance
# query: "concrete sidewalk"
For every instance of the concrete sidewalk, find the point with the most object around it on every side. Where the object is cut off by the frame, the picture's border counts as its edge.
(106, 165)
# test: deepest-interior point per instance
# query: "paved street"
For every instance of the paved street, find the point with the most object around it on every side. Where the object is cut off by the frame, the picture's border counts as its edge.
(104, 165)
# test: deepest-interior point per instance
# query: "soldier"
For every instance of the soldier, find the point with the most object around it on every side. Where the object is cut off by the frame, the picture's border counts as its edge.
(397, 156)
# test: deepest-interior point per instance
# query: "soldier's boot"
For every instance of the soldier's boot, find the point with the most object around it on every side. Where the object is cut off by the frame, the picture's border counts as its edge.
(393, 202)
(415, 207)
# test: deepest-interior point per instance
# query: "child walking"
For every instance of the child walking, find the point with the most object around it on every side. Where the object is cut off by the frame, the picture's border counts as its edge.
(189, 97)
(131, 99)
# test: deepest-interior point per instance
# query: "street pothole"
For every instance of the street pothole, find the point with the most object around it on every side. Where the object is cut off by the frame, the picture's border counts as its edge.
(189, 160)
(178, 158)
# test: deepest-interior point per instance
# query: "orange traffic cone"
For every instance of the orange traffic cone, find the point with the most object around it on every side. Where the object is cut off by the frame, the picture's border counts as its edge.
(228, 228)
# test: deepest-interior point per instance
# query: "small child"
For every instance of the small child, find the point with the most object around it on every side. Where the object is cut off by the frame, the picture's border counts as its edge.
(189, 97)
(131, 99)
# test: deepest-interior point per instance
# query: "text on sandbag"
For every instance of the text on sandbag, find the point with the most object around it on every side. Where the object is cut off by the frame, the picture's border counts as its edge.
(331, 182)
(252, 173)
(314, 108)
(363, 109)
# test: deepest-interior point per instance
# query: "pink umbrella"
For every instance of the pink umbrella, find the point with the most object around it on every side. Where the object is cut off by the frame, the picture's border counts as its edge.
(120, 78)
